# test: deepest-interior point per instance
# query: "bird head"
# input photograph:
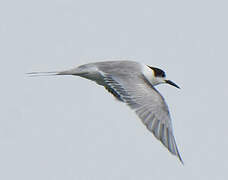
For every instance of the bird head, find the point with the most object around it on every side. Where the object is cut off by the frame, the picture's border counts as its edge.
(159, 77)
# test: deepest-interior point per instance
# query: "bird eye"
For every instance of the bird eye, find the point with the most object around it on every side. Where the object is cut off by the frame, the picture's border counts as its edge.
(158, 72)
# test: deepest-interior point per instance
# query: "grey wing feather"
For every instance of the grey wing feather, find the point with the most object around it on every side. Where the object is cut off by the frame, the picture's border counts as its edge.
(148, 104)
(114, 93)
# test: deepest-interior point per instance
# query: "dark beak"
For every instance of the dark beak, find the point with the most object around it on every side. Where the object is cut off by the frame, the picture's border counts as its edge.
(172, 83)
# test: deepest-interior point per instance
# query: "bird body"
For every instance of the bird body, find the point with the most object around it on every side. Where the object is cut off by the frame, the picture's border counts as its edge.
(133, 84)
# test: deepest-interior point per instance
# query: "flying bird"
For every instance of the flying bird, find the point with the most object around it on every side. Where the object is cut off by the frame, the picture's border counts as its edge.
(134, 84)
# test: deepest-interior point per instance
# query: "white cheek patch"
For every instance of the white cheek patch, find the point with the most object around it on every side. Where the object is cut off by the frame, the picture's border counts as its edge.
(148, 73)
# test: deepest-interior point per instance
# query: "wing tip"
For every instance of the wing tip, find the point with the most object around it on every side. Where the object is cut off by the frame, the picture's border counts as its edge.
(179, 157)
(176, 152)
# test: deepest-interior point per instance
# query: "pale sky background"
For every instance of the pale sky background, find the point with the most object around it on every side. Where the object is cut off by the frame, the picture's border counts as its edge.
(54, 128)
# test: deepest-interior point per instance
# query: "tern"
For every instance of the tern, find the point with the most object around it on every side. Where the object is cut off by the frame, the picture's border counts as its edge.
(133, 83)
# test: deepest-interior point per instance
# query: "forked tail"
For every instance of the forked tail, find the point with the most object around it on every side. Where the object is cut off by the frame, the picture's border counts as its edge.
(75, 71)
(34, 74)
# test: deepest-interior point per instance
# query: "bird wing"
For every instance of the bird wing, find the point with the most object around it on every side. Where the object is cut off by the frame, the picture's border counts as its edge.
(137, 92)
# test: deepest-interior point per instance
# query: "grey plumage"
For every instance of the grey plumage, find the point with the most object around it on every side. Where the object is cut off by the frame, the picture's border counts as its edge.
(126, 82)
